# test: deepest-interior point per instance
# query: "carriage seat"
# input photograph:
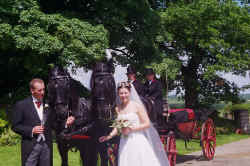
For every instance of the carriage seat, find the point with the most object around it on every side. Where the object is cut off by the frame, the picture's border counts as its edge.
(78, 136)
(182, 115)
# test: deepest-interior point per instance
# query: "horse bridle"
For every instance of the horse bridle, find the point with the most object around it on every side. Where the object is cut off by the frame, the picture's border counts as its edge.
(67, 78)
(101, 99)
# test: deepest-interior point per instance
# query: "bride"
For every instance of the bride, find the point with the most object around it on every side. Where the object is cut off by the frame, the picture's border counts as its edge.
(140, 144)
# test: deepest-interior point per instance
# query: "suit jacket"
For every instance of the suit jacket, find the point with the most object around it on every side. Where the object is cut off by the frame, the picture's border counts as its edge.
(154, 92)
(24, 118)
(139, 87)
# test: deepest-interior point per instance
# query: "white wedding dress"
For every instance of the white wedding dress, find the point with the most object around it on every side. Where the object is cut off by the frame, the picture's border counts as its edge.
(135, 149)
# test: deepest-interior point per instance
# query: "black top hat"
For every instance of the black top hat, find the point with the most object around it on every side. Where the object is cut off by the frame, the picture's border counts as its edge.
(131, 70)
(149, 71)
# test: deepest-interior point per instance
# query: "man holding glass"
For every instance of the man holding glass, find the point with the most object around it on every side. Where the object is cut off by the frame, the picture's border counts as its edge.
(30, 119)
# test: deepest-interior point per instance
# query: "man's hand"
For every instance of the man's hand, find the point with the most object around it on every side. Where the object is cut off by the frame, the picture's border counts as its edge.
(70, 121)
(38, 130)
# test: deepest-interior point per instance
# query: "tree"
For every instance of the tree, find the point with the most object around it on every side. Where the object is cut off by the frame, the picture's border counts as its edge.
(206, 37)
(37, 33)
(31, 40)
(132, 25)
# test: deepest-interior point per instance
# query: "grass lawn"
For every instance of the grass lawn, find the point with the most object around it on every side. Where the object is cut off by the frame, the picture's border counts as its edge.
(10, 155)
(194, 145)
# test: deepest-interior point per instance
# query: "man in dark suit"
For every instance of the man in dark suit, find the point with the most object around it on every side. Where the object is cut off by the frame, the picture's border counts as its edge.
(31, 120)
(131, 73)
(153, 91)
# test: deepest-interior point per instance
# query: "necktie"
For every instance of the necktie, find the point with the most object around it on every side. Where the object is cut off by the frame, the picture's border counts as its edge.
(38, 104)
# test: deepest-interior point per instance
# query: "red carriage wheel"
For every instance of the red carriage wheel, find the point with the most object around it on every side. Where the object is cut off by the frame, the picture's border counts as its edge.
(208, 139)
(171, 149)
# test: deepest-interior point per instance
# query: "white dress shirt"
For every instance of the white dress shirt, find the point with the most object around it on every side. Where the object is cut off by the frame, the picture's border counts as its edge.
(40, 109)
(131, 81)
(40, 114)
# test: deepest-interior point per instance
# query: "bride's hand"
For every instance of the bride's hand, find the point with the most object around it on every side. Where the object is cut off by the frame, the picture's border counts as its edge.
(104, 138)
(126, 130)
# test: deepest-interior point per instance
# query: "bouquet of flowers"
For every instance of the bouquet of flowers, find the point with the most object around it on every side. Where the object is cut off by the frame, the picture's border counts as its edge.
(119, 124)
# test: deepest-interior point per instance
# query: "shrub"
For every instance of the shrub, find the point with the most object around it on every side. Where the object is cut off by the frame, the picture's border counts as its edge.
(224, 126)
(8, 137)
(236, 107)
(3, 120)
(3, 124)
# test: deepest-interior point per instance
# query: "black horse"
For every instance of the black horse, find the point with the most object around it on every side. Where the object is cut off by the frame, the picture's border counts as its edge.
(64, 101)
(93, 120)
(103, 98)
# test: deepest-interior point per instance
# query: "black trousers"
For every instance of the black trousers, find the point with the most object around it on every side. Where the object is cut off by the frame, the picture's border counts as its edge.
(40, 155)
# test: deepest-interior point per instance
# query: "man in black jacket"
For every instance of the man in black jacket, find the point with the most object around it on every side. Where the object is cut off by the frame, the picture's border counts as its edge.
(30, 119)
(131, 73)
(153, 91)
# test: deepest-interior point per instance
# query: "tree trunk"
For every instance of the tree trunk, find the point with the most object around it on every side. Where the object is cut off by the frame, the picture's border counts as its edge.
(191, 84)
(167, 91)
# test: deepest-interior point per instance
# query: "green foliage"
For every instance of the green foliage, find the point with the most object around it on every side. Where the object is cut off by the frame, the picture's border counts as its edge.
(206, 37)
(131, 24)
(237, 107)
(3, 120)
(3, 123)
(35, 34)
(224, 126)
(8, 137)
(196, 38)
(49, 34)
(167, 67)
(31, 40)
(211, 92)
(245, 96)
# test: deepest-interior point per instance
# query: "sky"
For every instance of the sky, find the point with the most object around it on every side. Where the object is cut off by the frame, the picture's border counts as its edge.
(120, 75)
(84, 76)
(239, 80)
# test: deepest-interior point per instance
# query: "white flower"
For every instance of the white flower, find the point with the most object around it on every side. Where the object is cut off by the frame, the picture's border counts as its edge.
(120, 123)
(46, 106)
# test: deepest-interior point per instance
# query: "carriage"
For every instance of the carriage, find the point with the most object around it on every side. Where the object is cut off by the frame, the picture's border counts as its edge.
(183, 123)
(188, 124)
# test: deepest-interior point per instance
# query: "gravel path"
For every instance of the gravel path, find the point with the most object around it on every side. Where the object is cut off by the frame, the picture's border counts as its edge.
(232, 154)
